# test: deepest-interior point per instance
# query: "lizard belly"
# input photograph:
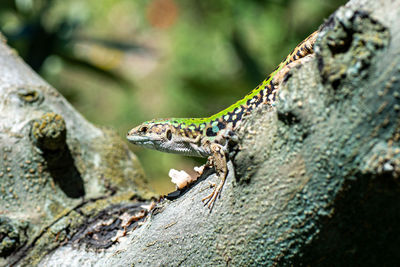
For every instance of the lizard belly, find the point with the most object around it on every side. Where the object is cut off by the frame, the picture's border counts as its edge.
(187, 149)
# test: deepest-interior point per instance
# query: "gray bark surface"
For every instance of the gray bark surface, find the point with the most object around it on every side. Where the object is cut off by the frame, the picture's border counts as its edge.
(313, 181)
(56, 169)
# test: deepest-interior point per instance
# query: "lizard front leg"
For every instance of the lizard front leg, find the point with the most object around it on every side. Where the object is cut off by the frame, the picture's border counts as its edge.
(218, 160)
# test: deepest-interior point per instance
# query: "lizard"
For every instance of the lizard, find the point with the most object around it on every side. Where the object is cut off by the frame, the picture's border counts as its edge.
(209, 137)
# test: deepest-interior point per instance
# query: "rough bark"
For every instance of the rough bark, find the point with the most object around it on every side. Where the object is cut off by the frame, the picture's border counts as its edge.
(316, 178)
(57, 171)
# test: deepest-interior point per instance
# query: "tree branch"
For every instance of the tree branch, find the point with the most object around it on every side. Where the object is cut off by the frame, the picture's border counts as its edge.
(316, 178)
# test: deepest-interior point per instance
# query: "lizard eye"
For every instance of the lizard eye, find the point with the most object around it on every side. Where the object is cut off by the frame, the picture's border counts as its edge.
(169, 135)
(143, 129)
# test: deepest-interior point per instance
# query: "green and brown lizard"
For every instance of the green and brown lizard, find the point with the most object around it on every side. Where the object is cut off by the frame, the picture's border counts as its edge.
(209, 137)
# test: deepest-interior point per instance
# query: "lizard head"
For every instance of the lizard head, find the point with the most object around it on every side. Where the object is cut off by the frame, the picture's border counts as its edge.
(167, 136)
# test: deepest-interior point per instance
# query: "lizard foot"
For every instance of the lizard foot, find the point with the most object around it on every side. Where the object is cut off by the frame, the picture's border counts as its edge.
(210, 199)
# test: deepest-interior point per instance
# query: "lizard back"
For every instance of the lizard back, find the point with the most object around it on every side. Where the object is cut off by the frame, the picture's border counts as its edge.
(263, 94)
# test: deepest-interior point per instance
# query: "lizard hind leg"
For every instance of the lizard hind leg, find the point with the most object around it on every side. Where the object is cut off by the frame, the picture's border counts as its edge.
(218, 159)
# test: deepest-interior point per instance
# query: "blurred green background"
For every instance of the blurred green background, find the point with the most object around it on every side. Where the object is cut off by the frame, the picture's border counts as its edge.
(122, 62)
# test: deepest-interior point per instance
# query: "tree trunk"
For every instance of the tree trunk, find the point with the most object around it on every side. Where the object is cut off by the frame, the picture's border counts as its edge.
(313, 180)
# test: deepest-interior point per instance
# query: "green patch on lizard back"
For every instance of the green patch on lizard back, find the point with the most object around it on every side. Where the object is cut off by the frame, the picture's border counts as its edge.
(232, 115)
(211, 126)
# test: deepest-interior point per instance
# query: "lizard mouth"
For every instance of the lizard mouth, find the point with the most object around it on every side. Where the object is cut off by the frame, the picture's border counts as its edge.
(143, 141)
(138, 139)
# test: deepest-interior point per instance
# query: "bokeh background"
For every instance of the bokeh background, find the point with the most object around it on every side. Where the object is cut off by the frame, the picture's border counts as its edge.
(120, 62)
